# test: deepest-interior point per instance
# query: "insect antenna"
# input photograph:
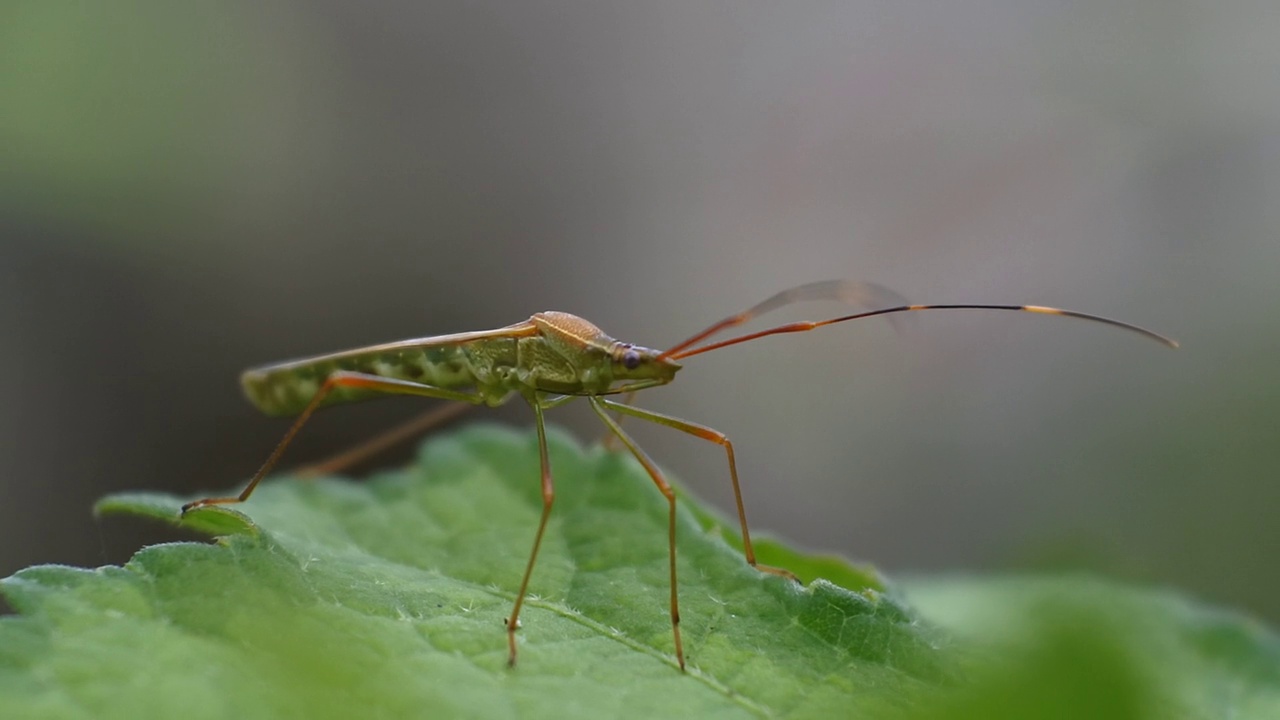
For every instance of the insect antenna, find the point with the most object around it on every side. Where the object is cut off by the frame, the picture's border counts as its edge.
(868, 295)
(679, 352)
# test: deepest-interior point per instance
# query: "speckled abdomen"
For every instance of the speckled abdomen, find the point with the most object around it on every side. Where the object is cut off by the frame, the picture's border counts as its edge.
(286, 388)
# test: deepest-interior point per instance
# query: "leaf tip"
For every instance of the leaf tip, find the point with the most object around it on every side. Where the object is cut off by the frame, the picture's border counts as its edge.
(211, 520)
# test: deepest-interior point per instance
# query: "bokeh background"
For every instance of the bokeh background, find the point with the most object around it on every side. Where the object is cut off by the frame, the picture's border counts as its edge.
(189, 190)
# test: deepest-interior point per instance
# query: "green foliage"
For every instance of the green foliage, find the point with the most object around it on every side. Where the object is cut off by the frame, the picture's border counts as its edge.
(387, 598)
(1075, 647)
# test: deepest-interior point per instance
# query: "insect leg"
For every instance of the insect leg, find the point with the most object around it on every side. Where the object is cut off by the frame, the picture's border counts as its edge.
(598, 404)
(340, 379)
(363, 451)
(557, 401)
(548, 497)
(719, 438)
(610, 441)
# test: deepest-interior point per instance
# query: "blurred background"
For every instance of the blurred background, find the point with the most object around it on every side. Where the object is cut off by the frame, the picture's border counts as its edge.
(186, 191)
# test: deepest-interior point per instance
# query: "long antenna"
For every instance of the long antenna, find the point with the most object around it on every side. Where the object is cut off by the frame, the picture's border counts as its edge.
(679, 352)
(853, 292)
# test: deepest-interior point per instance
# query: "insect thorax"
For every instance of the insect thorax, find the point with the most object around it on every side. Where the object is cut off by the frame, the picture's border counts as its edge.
(545, 366)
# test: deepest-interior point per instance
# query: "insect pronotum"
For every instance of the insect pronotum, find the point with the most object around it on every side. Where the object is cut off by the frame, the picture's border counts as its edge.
(550, 359)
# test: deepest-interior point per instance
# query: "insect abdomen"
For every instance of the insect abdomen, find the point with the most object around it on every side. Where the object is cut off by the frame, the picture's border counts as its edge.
(286, 388)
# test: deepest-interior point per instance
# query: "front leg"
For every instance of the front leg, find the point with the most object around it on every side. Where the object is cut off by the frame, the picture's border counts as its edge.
(719, 438)
(598, 404)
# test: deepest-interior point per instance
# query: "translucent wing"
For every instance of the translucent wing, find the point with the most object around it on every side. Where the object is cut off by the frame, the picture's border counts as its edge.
(520, 329)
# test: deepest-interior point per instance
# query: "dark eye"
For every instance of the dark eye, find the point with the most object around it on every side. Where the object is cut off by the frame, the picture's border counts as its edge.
(631, 359)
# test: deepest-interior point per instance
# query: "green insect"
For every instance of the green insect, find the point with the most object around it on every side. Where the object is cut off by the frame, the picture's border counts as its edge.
(550, 359)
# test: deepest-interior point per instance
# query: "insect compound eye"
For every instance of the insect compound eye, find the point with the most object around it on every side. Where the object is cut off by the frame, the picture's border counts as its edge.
(631, 360)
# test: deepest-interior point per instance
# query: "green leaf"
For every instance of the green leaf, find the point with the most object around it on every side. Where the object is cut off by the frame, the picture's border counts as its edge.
(387, 598)
(1079, 647)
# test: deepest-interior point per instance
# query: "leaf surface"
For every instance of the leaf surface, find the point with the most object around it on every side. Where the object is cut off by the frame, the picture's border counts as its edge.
(387, 598)
(381, 598)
